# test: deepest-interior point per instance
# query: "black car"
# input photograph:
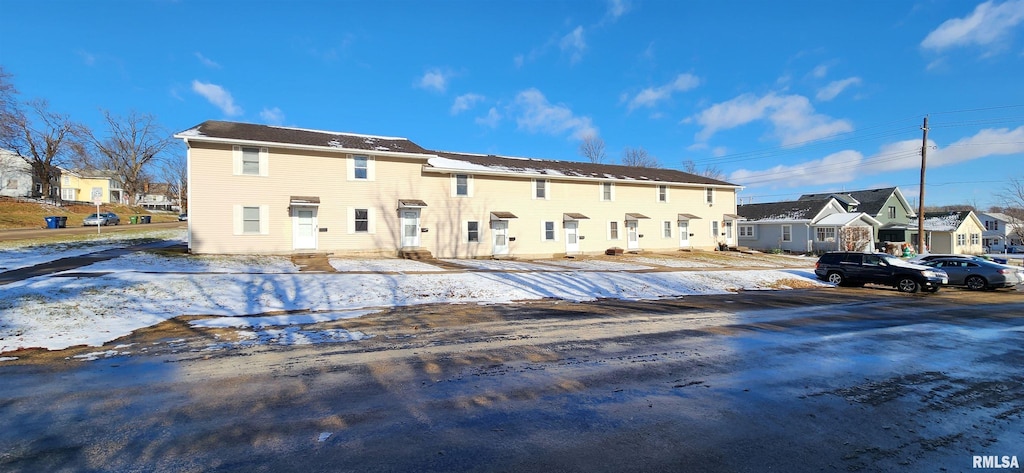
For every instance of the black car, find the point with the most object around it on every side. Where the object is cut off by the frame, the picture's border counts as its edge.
(856, 269)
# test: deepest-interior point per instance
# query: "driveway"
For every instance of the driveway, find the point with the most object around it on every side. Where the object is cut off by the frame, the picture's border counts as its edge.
(801, 380)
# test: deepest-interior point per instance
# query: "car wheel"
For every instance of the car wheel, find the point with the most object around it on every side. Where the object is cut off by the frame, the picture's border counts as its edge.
(975, 283)
(907, 285)
(835, 278)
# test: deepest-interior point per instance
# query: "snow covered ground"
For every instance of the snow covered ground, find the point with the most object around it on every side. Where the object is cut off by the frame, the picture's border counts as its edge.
(143, 289)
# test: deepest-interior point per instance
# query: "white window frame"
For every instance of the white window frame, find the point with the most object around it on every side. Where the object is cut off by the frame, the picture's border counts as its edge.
(714, 230)
(975, 239)
(469, 185)
(961, 239)
(239, 222)
(610, 197)
(544, 231)
(787, 233)
(613, 230)
(469, 232)
(371, 167)
(825, 234)
(745, 231)
(371, 221)
(892, 211)
(238, 167)
(666, 229)
(534, 188)
(709, 195)
(659, 194)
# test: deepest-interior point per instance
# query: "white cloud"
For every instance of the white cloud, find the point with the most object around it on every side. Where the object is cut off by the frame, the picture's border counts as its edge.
(434, 79)
(536, 114)
(834, 88)
(793, 118)
(617, 8)
(273, 116)
(88, 58)
(820, 71)
(218, 96)
(987, 25)
(831, 169)
(465, 102)
(574, 44)
(651, 96)
(207, 61)
(847, 165)
(491, 120)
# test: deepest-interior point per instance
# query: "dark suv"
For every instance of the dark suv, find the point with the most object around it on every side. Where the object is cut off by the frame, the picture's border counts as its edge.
(844, 268)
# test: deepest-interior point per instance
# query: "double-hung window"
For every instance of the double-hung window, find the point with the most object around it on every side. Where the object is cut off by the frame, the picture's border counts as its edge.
(662, 193)
(462, 185)
(746, 231)
(251, 161)
(892, 211)
(961, 239)
(473, 232)
(666, 229)
(250, 220)
(549, 231)
(709, 195)
(607, 189)
(975, 239)
(362, 220)
(360, 167)
(540, 189)
(613, 230)
(787, 233)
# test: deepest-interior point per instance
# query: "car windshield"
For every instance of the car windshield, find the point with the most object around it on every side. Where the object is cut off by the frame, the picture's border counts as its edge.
(92, 216)
(891, 260)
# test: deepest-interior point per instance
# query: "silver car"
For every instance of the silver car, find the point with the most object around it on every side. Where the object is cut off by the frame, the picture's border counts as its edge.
(105, 218)
(976, 274)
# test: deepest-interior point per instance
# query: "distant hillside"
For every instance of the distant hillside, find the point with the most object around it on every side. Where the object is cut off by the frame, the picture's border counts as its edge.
(17, 213)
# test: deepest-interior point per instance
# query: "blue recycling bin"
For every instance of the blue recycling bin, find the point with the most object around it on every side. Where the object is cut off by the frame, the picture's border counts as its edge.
(51, 222)
(145, 218)
(62, 222)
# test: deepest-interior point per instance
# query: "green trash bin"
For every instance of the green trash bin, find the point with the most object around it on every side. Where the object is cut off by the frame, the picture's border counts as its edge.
(134, 219)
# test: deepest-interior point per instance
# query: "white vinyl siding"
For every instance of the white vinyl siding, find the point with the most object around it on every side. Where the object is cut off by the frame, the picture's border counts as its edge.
(250, 161)
(361, 168)
(251, 219)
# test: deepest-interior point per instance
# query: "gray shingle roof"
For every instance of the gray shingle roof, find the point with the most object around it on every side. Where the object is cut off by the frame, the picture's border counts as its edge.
(284, 135)
(803, 209)
(871, 201)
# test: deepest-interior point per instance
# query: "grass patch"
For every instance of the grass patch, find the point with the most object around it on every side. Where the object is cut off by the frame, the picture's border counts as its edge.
(16, 213)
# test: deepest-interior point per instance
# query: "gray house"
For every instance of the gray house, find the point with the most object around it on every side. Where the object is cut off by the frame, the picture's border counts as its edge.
(805, 225)
(15, 176)
(886, 205)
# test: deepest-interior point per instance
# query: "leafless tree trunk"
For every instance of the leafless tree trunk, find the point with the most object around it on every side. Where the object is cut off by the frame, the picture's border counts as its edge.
(133, 143)
(638, 157)
(856, 238)
(8, 108)
(175, 173)
(44, 139)
(1013, 196)
(592, 148)
(709, 171)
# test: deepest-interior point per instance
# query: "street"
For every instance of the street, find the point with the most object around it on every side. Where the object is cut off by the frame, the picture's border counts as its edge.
(846, 379)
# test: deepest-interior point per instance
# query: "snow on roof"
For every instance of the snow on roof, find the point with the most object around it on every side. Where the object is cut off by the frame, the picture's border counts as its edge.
(944, 223)
(191, 132)
(372, 137)
(446, 163)
(839, 219)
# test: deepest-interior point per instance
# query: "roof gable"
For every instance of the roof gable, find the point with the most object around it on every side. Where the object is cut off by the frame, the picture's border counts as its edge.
(870, 201)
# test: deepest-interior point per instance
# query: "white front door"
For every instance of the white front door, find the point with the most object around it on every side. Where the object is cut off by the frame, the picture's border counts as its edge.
(684, 233)
(499, 230)
(304, 228)
(728, 232)
(410, 228)
(632, 238)
(572, 241)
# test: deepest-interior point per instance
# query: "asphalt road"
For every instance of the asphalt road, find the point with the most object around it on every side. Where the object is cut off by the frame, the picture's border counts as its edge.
(803, 380)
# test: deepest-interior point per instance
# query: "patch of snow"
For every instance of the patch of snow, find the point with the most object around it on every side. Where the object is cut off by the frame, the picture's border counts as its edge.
(187, 263)
(8, 358)
(323, 436)
(595, 264)
(674, 263)
(193, 132)
(337, 133)
(377, 265)
(447, 163)
(502, 265)
(22, 254)
(277, 320)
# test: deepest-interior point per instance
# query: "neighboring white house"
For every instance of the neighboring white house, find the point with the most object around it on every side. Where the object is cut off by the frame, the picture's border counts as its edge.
(16, 176)
(156, 196)
(1002, 232)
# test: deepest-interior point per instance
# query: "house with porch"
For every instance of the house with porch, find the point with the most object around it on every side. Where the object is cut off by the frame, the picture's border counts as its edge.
(268, 189)
(886, 205)
(805, 225)
(951, 232)
(90, 185)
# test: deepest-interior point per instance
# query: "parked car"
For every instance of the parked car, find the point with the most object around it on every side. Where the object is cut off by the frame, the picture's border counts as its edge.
(844, 268)
(975, 274)
(920, 259)
(105, 218)
(182, 217)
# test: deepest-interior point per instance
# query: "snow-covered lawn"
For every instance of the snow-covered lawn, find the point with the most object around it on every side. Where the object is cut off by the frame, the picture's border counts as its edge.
(143, 289)
(15, 255)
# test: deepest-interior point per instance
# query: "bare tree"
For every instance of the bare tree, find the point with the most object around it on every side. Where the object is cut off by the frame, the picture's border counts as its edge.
(131, 146)
(1013, 197)
(592, 148)
(175, 173)
(855, 238)
(44, 139)
(639, 158)
(709, 171)
(8, 107)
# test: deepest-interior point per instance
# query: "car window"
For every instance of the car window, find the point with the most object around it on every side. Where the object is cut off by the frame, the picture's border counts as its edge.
(852, 258)
(872, 260)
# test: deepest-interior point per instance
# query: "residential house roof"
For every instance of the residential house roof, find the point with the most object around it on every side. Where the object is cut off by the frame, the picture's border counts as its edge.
(944, 221)
(870, 201)
(551, 168)
(439, 160)
(299, 136)
(793, 210)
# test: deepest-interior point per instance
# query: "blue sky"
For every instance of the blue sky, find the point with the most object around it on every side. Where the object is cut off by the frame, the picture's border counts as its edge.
(784, 97)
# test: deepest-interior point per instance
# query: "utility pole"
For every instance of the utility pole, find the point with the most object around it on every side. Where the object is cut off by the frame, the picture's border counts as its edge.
(920, 203)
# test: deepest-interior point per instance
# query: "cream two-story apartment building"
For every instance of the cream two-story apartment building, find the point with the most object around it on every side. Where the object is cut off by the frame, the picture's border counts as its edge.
(277, 190)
